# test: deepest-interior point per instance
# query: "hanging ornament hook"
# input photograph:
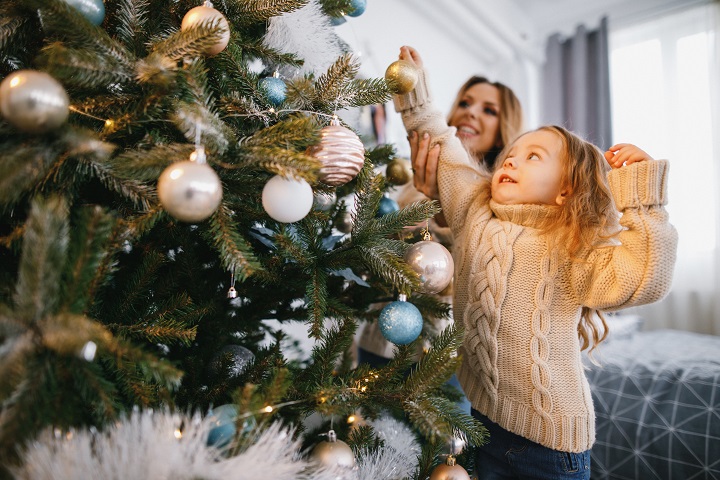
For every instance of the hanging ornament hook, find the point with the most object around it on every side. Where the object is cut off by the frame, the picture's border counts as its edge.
(232, 293)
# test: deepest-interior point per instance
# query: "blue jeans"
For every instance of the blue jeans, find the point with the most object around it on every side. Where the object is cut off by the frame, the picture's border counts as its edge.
(510, 456)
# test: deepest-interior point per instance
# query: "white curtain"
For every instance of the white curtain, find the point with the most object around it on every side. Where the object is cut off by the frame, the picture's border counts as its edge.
(665, 92)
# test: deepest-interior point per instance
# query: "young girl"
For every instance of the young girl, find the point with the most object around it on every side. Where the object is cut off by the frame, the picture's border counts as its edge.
(539, 247)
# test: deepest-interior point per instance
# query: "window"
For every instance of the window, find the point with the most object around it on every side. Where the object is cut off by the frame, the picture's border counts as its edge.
(664, 88)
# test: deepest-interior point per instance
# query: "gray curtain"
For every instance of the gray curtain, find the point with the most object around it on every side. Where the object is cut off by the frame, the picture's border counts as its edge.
(576, 84)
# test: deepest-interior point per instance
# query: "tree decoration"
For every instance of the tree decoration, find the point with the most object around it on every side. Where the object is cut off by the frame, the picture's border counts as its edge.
(433, 262)
(287, 200)
(333, 453)
(387, 205)
(357, 7)
(344, 222)
(400, 321)
(93, 10)
(190, 190)
(341, 153)
(275, 88)
(324, 201)
(33, 101)
(206, 14)
(449, 470)
(398, 171)
(401, 77)
(222, 425)
(238, 357)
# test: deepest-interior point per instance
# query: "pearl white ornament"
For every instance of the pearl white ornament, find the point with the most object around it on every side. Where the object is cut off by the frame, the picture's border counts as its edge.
(433, 262)
(287, 200)
(333, 453)
(208, 15)
(190, 190)
(33, 101)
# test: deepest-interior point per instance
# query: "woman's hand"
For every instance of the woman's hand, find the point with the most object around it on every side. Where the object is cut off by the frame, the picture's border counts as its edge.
(424, 165)
(625, 154)
(411, 55)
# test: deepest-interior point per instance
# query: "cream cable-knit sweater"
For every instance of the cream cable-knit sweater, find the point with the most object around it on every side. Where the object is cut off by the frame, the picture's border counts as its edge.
(520, 303)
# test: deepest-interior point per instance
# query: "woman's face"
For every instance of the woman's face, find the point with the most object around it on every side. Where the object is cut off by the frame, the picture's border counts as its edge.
(477, 118)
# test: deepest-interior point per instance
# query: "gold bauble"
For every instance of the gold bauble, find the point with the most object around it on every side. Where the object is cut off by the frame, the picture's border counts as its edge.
(208, 16)
(398, 171)
(401, 76)
(445, 471)
(333, 453)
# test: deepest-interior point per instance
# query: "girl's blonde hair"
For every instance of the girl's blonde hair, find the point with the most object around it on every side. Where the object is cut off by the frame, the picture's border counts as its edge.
(587, 218)
(510, 116)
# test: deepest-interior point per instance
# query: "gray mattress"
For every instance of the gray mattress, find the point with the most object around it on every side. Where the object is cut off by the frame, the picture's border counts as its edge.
(657, 400)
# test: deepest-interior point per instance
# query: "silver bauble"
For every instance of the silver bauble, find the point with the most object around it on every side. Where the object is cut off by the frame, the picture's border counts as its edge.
(33, 101)
(341, 153)
(454, 446)
(236, 356)
(333, 453)
(189, 191)
(208, 16)
(433, 262)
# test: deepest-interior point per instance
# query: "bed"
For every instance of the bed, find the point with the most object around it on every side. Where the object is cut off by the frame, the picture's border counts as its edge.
(657, 400)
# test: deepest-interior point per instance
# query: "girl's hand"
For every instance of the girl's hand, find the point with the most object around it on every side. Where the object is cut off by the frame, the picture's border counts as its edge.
(411, 55)
(424, 164)
(625, 154)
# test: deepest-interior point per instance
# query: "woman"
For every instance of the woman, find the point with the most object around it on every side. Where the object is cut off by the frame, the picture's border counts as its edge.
(487, 116)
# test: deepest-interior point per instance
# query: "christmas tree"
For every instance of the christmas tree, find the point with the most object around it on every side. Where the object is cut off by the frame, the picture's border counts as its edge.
(172, 176)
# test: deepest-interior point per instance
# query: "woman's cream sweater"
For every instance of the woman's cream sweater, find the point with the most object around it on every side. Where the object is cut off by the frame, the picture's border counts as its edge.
(520, 302)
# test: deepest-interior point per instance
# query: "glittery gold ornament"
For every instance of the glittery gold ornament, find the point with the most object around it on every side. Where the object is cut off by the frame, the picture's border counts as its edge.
(398, 171)
(208, 16)
(449, 471)
(333, 453)
(341, 153)
(401, 76)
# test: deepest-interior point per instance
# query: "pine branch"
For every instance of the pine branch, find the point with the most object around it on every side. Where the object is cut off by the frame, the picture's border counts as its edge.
(437, 365)
(37, 291)
(189, 43)
(336, 8)
(92, 228)
(82, 68)
(317, 296)
(59, 18)
(132, 18)
(236, 254)
(259, 11)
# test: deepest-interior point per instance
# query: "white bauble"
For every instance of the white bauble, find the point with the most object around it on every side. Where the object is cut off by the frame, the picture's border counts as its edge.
(33, 101)
(287, 200)
(189, 191)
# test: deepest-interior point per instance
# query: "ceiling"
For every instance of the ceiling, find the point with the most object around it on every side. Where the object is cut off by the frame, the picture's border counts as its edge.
(551, 16)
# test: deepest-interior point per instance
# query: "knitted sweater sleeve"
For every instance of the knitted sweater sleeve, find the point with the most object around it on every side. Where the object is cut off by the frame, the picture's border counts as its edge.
(460, 180)
(639, 270)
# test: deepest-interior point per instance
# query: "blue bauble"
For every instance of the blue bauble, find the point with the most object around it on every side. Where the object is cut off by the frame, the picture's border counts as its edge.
(275, 88)
(357, 7)
(387, 205)
(93, 10)
(400, 322)
(335, 21)
(223, 420)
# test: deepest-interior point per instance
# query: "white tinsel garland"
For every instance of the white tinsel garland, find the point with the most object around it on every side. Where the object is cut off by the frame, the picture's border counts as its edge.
(145, 446)
(307, 33)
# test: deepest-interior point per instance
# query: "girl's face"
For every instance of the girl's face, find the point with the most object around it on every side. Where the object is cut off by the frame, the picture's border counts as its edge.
(477, 118)
(531, 172)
